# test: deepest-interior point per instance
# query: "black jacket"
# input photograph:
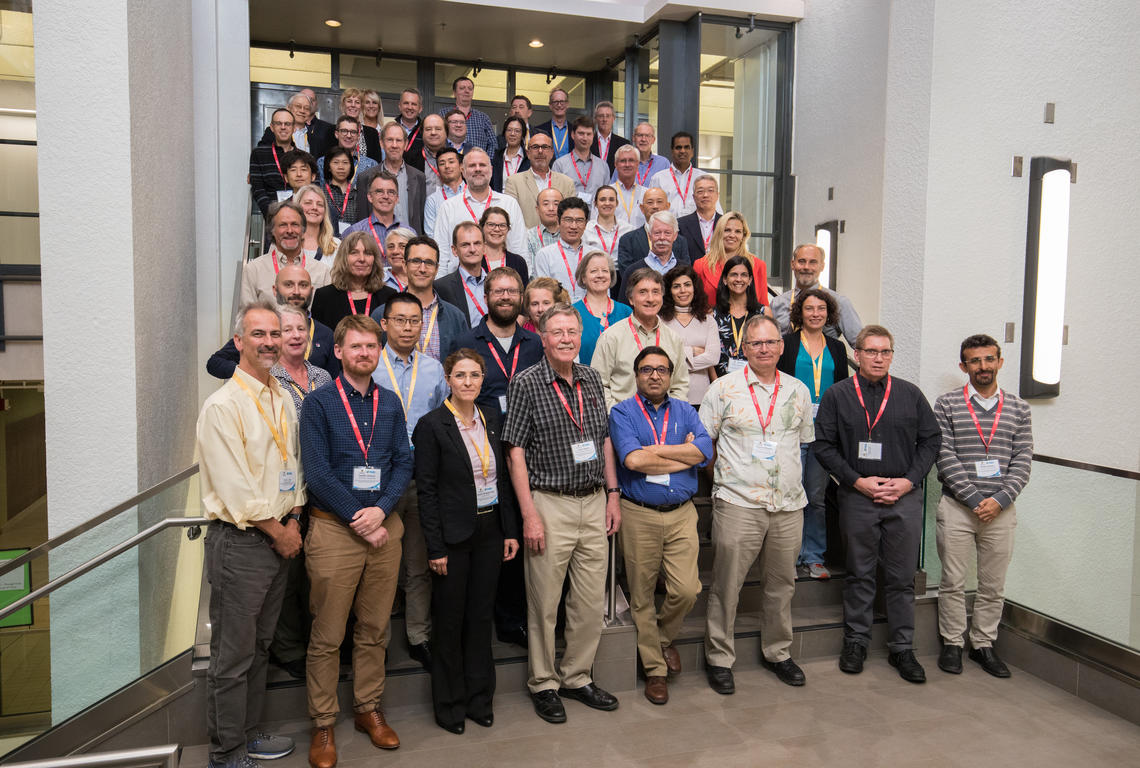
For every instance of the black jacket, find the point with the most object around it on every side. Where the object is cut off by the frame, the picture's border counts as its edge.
(689, 228)
(787, 362)
(322, 137)
(616, 143)
(497, 179)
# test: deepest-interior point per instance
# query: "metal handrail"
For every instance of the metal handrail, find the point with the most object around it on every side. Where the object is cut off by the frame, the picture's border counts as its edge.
(66, 536)
(166, 756)
(194, 523)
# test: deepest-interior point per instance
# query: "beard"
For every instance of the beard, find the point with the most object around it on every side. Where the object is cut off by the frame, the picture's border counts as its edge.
(504, 315)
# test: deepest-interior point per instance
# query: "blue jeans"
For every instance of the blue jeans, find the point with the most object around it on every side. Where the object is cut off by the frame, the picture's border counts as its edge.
(815, 479)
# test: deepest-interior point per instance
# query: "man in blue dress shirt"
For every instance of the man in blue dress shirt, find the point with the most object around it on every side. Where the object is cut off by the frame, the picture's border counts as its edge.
(659, 442)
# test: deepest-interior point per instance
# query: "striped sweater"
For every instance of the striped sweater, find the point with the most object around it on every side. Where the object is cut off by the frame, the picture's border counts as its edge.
(962, 446)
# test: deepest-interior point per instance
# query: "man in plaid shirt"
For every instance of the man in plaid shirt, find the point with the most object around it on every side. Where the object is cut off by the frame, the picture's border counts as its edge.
(480, 131)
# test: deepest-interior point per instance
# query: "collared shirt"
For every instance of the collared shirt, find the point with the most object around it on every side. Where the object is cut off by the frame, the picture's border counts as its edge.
(373, 225)
(335, 197)
(538, 238)
(849, 322)
(496, 380)
(646, 170)
(240, 463)
(563, 144)
(430, 391)
(907, 432)
(655, 264)
(430, 344)
(987, 403)
(330, 451)
(317, 377)
(629, 203)
(538, 423)
(679, 187)
(618, 346)
(473, 437)
(360, 162)
(598, 238)
(729, 415)
(401, 212)
(549, 262)
(393, 282)
(435, 200)
(629, 431)
(474, 284)
(258, 276)
(466, 208)
(432, 181)
(588, 175)
(480, 132)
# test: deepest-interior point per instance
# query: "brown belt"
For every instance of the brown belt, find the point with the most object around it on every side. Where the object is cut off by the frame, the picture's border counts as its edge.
(314, 512)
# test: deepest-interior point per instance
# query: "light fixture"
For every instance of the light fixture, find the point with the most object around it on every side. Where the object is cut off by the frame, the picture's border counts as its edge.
(1046, 260)
(827, 240)
(332, 23)
(536, 43)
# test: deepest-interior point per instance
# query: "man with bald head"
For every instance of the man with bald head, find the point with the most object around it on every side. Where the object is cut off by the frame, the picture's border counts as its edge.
(434, 138)
(469, 206)
(526, 185)
(634, 246)
(546, 232)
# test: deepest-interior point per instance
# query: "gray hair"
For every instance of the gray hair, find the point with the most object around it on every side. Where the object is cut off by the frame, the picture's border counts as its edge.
(626, 149)
(760, 319)
(289, 309)
(403, 232)
(556, 310)
(584, 264)
(665, 217)
(604, 104)
(640, 275)
(266, 304)
(276, 208)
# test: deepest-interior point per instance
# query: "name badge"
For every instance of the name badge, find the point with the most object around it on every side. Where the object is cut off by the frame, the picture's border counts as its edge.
(764, 449)
(815, 410)
(365, 478)
(342, 227)
(584, 451)
(284, 194)
(485, 497)
(988, 468)
(287, 480)
(503, 403)
(657, 479)
(735, 365)
(871, 451)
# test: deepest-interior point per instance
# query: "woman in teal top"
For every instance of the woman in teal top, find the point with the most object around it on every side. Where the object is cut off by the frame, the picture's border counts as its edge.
(596, 274)
(818, 361)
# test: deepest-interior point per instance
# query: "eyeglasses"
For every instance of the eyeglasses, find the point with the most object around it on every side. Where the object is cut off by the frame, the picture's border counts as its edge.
(385, 192)
(540, 147)
(496, 225)
(574, 221)
(876, 353)
(472, 376)
(404, 322)
(422, 263)
(762, 343)
(572, 333)
(988, 359)
(505, 291)
(347, 132)
(649, 370)
(558, 101)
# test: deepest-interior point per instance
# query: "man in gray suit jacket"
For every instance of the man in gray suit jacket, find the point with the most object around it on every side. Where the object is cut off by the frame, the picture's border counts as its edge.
(411, 182)
(524, 185)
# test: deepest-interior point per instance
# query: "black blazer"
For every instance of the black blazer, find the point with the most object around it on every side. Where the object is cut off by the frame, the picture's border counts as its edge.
(446, 486)
(372, 143)
(322, 137)
(515, 262)
(787, 362)
(450, 289)
(616, 143)
(689, 228)
(497, 168)
(633, 247)
(330, 304)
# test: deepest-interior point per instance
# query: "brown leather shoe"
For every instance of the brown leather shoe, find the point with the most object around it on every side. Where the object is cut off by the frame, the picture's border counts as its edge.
(322, 748)
(377, 728)
(672, 659)
(656, 690)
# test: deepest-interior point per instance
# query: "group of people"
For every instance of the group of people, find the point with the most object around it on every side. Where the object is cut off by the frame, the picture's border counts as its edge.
(476, 417)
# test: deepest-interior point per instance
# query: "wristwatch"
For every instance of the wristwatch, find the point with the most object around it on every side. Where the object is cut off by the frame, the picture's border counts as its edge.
(613, 490)
(294, 516)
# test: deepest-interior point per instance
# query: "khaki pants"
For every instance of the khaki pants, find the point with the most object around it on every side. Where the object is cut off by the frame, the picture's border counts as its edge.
(345, 574)
(740, 534)
(417, 575)
(575, 530)
(653, 542)
(959, 534)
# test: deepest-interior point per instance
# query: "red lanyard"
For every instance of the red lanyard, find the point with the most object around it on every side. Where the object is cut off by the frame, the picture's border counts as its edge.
(549, 178)
(711, 230)
(688, 181)
(486, 205)
(978, 424)
(656, 341)
(604, 150)
(399, 285)
(352, 304)
(764, 424)
(566, 405)
(664, 427)
(383, 252)
(605, 317)
(641, 177)
(499, 360)
(609, 251)
(566, 261)
(586, 180)
(474, 300)
(277, 262)
(278, 164)
(541, 240)
(883, 407)
(352, 419)
(343, 205)
(412, 139)
(429, 165)
(507, 164)
(443, 189)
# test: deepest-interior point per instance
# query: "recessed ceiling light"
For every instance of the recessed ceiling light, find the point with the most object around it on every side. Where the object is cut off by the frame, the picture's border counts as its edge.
(536, 43)
(332, 23)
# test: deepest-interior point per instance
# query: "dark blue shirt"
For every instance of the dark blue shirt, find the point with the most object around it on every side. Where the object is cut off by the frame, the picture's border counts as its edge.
(222, 363)
(495, 383)
(329, 449)
(629, 431)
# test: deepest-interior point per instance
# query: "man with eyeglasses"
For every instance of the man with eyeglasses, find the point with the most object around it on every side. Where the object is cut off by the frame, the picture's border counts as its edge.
(464, 287)
(556, 127)
(559, 260)
(348, 136)
(984, 463)
(757, 417)
(267, 165)
(526, 186)
(469, 206)
(659, 443)
(586, 170)
(310, 133)
(877, 435)
(383, 193)
(410, 182)
(807, 266)
(507, 349)
(417, 380)
(457, 131)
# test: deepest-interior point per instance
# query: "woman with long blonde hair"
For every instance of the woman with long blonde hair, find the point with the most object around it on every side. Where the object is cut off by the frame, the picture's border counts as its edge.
(729, 239)
(319, 240)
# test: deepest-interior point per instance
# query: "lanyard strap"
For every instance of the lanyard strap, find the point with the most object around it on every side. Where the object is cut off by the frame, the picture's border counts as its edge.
(471, 210)
(566, 261)
(664, 427)
(407, 404)
(484, 454)
(312, 328)
(278, 164)
(816, 364)
(604, 149)
(883, 407)
(428, 164)
(462, 188)
(278, 437)
(352, 419)
(276, 258)
(399, 285)
(507, 163)
(541, 239)
(412, 139)
(430, 327)
(581, 426)
(499, 360)
(688, 181)
(586, 180)
(604, 318)
(549, 179)
(641, 177)
(627, 205)
(610, 250)
(656, 341)
(558, 148)
(352, 304)
(764, 423)
(737, 336)
(482, 310)
(344, 203)
(383, 251)
(978, 424)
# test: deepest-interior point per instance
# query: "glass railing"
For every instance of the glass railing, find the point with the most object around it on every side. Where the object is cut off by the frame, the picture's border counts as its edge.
(91, 611)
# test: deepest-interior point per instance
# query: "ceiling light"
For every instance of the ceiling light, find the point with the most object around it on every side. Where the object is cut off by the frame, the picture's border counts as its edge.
(536, 43)
(332, 23)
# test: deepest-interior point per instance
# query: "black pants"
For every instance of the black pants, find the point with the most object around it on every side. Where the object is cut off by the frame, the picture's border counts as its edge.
(510, 602)
(462, 607)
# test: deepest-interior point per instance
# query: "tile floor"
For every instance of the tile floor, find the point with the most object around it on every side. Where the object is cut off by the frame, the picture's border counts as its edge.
(873, 719)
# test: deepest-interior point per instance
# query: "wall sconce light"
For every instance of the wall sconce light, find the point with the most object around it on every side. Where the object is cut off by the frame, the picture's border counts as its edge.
(827, 239)
(1046, 258)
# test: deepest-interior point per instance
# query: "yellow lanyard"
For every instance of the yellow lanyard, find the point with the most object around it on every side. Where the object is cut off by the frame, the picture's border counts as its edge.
(312, 327)
(396, 386)
(278, 437)
(628, 206)
(737, 336)
(816, 363)
(485, 454)
(427, 336)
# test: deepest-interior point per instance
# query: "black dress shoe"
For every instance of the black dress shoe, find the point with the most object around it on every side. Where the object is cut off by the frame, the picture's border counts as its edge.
(990, 662)
(851, 658)
(484, 720)
(456, 728)
(908, 666)
(592, 696)
(422, 653)
(295, 668)
(950, 659)
(513, 635)
(720, 679)
(788, 671)
(549, 707)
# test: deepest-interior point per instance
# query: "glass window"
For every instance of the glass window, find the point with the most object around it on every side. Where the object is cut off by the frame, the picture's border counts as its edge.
(490, 84)
(391, 77)
(533, 85)
(275, 65)
(16, 60)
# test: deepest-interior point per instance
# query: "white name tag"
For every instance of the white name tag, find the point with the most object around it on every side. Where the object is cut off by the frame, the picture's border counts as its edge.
(284, 194)
(584, 451)
(503, 403)
(342, 227)
(764, 449)
(871, 451)
(287, 480)
(735, 365)
(365, 479)
(485, 497)
(988, 468)
(657, 479)
(814, 410)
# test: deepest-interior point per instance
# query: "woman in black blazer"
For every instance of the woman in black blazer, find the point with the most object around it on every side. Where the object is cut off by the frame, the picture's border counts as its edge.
(511, 157)
(467, 513)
